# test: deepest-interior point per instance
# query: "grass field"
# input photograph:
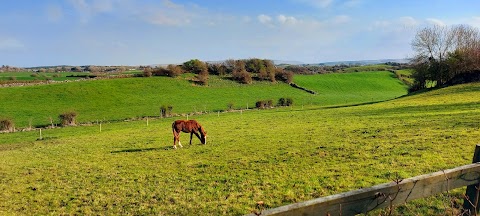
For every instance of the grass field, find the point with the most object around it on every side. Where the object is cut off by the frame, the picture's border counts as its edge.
(127, 98)
(60, 76)
(28, 76)
(377, 67)
(277, 156)
(353, 88)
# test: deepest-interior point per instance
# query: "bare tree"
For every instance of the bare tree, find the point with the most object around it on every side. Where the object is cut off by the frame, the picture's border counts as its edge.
(443, 52)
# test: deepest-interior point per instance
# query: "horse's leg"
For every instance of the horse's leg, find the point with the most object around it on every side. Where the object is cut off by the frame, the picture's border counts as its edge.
(176, 137)
(179, 143)
(191, 135)
(196, 134)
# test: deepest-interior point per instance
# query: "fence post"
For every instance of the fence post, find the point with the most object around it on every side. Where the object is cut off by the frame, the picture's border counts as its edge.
(471, 194)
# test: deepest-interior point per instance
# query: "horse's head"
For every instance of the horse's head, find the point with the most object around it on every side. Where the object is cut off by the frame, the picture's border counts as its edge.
(203, 136)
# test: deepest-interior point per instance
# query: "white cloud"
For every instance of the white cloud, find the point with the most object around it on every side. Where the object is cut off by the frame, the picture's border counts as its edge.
(87, 9)
(433, 21)
(171, 14)
(264, 19)
(408, 22)
(288, 20)
(10, 44)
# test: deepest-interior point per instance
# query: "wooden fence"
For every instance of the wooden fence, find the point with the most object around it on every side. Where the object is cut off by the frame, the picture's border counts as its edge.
(395, 193)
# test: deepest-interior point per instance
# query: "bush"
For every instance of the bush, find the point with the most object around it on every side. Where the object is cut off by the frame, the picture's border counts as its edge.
(160, 71)
(230, 106)
(264, 104)
(6, 125)
(174, 70)
(147, 72)
(285, 76)
(68, 118)
(166, 110)
(289, 102)
(285, 102)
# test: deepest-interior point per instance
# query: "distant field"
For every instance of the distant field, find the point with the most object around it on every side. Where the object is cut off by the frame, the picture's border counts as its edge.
(349, 88)
(275, 156)
(379, 67)
(118, 99)
(26, 76)
(60, 76)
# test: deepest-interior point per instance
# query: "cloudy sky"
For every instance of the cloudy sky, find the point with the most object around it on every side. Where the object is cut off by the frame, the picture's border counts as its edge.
(141, 32)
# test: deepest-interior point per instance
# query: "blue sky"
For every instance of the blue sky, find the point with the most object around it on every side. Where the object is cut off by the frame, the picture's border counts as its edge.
(142, 32)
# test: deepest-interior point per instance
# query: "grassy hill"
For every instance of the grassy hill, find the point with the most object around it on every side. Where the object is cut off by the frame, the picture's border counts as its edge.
(277, 156)
(351, 88)
(118, 99)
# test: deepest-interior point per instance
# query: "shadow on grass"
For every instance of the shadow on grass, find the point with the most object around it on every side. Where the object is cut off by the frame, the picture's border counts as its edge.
(142, 150)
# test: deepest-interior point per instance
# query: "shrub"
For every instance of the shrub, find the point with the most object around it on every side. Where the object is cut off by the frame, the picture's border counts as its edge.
(264, 104)
(68, 118)
(147, 72)
(174, 70)
(285, 76)
(243, 77)
(289, 102)
(230, 106)
(160, 71)
(259, 105)
(285, 102)
(166, 110)
(6, 124)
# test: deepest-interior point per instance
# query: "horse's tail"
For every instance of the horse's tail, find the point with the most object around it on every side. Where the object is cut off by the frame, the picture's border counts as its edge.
(173, 127)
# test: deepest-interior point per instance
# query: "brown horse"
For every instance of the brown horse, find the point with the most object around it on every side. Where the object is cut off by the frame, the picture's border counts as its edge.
(190, 126)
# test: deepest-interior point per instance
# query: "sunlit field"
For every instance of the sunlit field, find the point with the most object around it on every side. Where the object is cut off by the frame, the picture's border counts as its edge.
(278, 156)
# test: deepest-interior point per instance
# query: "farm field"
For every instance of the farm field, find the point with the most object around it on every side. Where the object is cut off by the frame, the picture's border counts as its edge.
(30, 76)
(130, 98)
(278, 156)
(353, 88)
(61, 76)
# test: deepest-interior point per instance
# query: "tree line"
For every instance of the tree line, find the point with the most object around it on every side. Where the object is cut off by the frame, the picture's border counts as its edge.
(242, 71)
(444, 54)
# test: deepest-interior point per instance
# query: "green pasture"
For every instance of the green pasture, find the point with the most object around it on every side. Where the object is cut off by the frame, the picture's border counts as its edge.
(278, 156)
(118, 99)
(378, 67)
(56, 76)
(30, 76)
(353, 88)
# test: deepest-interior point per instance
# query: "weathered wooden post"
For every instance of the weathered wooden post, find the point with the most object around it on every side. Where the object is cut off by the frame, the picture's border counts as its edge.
(41, 134)
(471, 201)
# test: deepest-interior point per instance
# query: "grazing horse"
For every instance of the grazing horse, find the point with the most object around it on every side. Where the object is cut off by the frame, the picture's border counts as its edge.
(190, 126)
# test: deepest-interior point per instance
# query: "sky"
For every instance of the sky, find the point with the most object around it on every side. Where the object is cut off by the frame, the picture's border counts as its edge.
(144, 32)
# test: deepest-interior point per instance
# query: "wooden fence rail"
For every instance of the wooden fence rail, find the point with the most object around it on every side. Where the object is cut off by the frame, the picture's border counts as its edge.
(395, 193)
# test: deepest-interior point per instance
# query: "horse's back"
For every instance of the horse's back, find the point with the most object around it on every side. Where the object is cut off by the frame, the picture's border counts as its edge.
(185, 125)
